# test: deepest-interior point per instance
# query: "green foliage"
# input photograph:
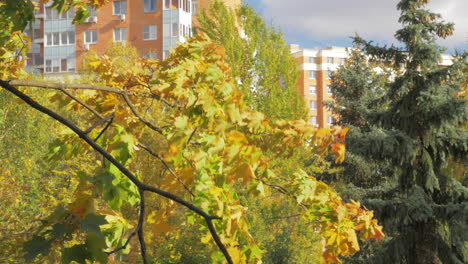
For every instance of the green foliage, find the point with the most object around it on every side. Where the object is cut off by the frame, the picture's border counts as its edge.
(260, 60)
(405, 124)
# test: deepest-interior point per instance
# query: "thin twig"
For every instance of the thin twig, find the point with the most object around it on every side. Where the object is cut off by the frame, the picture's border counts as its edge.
(104, 119)
(141, 186)
(141, 216)
(165, 165)
(144, 121)
(96, 113)
(106, 127)
(57, 86)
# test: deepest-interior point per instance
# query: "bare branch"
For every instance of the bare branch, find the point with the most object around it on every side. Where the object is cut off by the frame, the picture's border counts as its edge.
(96, 113)
(144, 121)
(105, 128)
(141, 186)
(165, 165)
(59, 86)
(141, 217)
(99, 122)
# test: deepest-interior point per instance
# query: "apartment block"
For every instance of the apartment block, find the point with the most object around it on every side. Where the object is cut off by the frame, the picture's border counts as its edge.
(316, 67)
(152, 26)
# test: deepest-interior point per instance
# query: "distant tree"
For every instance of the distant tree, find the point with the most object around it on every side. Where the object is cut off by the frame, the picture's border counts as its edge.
(260, 59)
(404, 127)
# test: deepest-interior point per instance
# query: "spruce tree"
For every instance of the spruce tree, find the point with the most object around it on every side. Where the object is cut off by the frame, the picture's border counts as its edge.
(405, 125)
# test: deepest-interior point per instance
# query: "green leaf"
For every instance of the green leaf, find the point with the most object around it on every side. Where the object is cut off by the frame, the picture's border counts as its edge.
(92, 222)
(78, 253)
(37, 245)
(96, 245)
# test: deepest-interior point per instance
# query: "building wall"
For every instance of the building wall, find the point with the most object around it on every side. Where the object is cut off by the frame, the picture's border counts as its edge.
(315, 66)
(134, 22)
(173, 20)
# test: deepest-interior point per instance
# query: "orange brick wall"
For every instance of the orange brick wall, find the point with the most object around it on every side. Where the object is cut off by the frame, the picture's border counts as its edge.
(134, 22)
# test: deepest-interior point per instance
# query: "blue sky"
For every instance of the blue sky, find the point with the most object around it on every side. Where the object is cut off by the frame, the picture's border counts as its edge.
(318, 23)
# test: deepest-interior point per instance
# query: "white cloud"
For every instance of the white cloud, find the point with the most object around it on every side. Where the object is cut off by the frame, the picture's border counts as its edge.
(377, 20)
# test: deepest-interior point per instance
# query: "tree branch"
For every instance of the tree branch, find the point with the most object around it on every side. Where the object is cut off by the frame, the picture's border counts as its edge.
(141, 220)
(134, 111)
(60, 86)
(165, 165)
(141, 217)
(143, 187)
(81, 103)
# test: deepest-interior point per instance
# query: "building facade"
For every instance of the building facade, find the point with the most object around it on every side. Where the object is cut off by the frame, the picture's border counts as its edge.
(316, 67)
(153, 27)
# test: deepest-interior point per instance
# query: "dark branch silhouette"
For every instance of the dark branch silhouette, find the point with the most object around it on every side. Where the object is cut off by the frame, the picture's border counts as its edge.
(141, 186)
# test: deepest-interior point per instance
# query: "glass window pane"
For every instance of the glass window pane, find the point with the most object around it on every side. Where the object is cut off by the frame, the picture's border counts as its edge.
(64, 36)
(56, 39)
(71, 37)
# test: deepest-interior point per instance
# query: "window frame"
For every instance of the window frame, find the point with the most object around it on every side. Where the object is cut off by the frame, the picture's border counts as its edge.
(314, 89)
(149, 36)
(92, 38)
(313, 75)
(148, 4)
(120, 4)
(313, 105)
(120, 29)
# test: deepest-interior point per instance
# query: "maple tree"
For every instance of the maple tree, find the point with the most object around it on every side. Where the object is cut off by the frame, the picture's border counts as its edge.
(188, 115)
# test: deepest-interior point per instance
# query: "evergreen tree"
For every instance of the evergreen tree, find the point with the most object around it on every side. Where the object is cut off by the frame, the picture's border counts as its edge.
(404, 127)
(260, 60)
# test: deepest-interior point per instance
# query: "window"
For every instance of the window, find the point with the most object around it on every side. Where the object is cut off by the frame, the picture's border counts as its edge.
(52, 65)
(330, 120)
(167, 30)
(150, 32)
(151, 55)
(48, 39)
(56, 39)
(91, 37)
(166, 54)
(149, 6)
(313, 105)
(175, 29)
(120, 7)
(63, 65)
(120, 34)
(51, 14)
(342, 61)
(71, 37)
(194, 7)
(48, 66)
(329, 74)
(313, 120)
(312, 60)
(312, 89)
(170, 4)
(71, 64)
(330, 59)
(312, 74)
(92, 11)
(329, 90)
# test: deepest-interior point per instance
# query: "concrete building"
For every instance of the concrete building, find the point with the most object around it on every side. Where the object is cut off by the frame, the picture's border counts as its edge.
(152, 26)
(317, 66)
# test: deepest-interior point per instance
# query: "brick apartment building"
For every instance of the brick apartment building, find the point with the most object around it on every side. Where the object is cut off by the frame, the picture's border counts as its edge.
(152, 26)
(316, 67)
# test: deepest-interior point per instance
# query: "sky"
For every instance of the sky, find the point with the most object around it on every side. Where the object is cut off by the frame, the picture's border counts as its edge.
(320, 24)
